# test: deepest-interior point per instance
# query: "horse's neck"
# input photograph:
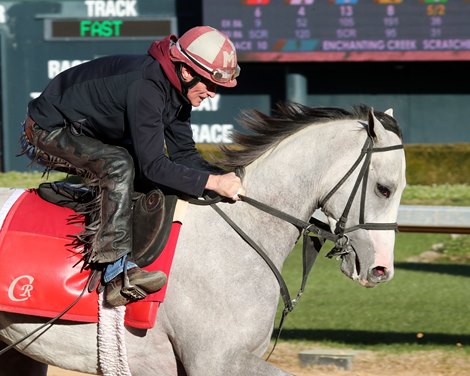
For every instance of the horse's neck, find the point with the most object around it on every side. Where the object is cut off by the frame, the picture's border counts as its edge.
(291, 177)
(288, 179)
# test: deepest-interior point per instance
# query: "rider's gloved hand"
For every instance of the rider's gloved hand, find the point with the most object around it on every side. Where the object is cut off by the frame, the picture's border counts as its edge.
(227, 185)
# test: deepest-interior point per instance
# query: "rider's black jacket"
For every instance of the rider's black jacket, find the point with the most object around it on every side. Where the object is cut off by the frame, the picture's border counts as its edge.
(128, 101)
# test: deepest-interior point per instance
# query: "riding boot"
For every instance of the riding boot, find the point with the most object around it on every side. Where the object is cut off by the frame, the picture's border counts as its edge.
(132, 285)
(111, 168)
(77, 197)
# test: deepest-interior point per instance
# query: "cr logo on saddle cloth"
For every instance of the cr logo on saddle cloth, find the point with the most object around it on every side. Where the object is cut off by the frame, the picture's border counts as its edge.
(122, 123)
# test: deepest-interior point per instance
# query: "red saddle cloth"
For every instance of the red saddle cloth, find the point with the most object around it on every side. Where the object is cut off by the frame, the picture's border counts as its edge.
(40, 275)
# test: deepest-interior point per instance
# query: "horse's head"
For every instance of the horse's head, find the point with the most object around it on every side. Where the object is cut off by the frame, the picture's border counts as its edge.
(349, 164)
(362, 207)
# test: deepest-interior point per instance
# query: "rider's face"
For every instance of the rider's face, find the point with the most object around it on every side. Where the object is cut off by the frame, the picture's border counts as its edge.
(203, 89)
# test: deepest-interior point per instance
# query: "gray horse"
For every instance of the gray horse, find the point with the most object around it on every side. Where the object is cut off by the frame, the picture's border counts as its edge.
(222, 298)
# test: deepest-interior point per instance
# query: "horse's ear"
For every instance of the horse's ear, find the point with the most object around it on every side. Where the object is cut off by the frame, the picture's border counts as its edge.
(389, 112)
(374, 126)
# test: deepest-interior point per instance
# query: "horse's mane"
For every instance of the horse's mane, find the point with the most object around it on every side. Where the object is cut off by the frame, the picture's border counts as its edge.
(264, 131)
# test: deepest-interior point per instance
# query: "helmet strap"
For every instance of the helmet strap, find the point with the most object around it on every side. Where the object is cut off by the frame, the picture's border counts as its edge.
(185, 85)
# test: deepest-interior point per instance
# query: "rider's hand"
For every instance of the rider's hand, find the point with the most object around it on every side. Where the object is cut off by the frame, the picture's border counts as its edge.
(228, 185)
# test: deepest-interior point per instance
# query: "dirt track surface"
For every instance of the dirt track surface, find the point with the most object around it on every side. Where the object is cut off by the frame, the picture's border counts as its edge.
(365, 363)
(370, 363)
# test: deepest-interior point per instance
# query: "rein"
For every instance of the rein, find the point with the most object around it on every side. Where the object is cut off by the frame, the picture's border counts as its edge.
(311, 242)
(47, 325)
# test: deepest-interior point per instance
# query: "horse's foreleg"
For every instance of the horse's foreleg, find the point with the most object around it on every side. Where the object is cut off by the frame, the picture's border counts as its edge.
(244, 363)
(14, 363)
(238, 364)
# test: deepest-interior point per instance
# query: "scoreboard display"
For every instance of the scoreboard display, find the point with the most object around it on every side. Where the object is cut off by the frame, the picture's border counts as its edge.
(109, 29)
(344, 30)
(42, 38)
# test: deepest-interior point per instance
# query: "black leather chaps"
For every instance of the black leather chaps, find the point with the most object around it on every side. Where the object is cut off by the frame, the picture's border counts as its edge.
(110, 167)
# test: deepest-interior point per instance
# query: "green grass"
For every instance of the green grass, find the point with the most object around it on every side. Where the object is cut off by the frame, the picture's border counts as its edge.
(444, 194)
(27, 179)
(425, 306)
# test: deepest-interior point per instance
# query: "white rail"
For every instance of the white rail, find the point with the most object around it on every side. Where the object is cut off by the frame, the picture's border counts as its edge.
(442, 219)
(430, 219)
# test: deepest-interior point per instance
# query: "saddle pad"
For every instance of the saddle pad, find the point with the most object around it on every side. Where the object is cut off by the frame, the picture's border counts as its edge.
(40, 274)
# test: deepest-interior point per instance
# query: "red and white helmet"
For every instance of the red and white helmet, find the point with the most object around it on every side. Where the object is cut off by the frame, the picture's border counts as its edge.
(209, 53)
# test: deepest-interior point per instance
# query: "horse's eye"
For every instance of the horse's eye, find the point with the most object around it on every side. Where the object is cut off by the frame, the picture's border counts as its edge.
(383, 190)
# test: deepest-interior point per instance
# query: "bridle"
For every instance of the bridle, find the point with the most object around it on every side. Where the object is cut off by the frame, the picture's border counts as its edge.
(342, 243)
(315, 232)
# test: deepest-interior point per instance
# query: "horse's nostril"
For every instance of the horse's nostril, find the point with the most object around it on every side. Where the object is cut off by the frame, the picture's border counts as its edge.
(379, 273)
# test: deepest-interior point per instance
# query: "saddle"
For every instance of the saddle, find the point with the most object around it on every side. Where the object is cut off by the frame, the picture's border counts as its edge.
(151, 222)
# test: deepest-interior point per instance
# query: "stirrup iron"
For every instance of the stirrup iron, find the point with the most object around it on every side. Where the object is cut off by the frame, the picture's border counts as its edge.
(132, 292)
